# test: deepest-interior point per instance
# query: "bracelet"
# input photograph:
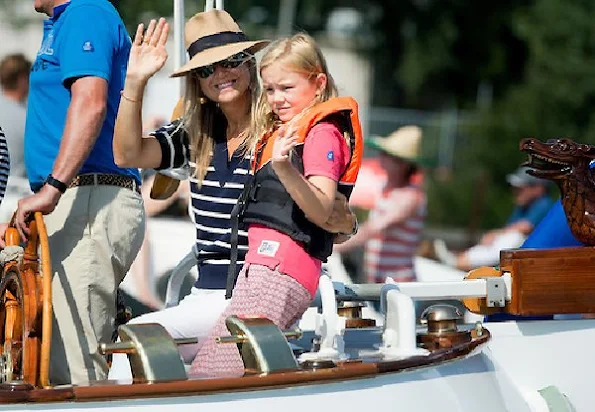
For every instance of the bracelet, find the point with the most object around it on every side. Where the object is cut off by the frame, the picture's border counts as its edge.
(127, 98)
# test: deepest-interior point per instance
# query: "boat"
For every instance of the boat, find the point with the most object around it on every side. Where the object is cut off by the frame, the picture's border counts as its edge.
(341, 357)
(345, 361)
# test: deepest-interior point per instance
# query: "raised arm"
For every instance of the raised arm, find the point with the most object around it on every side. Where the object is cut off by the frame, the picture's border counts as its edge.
(147, 57)
(314, 194)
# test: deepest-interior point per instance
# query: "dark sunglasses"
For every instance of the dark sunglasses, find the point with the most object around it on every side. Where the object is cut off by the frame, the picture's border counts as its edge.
(230, 63)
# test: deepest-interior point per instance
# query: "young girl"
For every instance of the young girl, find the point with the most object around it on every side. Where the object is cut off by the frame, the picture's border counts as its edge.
(310, 148)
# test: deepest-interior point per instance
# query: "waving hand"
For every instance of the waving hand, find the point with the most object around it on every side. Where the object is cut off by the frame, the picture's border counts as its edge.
(148, 54)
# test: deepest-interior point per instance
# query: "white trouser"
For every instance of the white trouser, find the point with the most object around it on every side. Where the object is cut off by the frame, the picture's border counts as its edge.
(487, 255)
(194, 316)
(94, 233)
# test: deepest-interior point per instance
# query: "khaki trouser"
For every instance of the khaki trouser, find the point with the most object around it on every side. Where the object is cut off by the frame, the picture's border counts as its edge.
(95, 233)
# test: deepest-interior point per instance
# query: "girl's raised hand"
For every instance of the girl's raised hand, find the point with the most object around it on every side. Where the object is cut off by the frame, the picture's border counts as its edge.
(148, 54)
(285, 141)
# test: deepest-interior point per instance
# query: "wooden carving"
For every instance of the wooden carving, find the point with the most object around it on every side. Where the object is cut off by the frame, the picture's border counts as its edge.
(567, 164)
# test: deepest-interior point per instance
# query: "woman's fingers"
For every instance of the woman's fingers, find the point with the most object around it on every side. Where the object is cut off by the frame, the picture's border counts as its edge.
(150, 30)
(157, 33)
(164, 34)
(138, 37)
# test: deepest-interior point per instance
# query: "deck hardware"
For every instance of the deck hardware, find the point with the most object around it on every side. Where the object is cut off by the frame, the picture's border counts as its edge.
(443, 332)
(352, 312)
(496, 292)
(399, 336)
(152, 353)
(330, 327)
(263, 346)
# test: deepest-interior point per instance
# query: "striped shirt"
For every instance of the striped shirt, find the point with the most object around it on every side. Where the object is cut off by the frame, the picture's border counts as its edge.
(390, 253)
(4, 164)
(211, 203)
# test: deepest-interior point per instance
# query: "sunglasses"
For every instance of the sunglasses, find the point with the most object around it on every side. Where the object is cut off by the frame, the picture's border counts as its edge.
(230, 63)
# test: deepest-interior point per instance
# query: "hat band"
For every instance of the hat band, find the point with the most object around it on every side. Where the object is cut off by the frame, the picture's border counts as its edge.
(215, 40)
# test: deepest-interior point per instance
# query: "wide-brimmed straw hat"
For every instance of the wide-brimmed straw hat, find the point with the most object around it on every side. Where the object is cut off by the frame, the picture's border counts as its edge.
(404, 143)
(212, 36)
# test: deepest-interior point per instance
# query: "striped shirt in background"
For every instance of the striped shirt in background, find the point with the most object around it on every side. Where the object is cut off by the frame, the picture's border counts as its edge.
(211, 203)
(390, 253)
(4, 164)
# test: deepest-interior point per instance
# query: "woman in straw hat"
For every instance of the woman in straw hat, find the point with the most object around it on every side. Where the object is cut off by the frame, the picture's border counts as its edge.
(213, 136)
(393, 230)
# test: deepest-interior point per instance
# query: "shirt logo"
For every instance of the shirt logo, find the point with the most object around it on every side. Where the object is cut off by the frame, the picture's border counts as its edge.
(268, 248)
(330, 155)
(88, 46)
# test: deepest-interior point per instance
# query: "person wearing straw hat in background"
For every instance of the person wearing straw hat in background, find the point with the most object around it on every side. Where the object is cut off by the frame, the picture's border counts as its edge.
(213, 136)
(393, 230)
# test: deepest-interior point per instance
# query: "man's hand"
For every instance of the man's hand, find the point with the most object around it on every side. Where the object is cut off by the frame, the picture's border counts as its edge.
(44, 201)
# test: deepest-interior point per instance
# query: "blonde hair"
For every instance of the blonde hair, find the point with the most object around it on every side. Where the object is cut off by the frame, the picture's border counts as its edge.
(298, 53)
(201, 121)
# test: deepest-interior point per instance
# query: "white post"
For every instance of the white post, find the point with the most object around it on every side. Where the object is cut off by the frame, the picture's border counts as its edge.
(209, 5)
(219, 5)
(329, 325)
(179, 48)
(399, 338)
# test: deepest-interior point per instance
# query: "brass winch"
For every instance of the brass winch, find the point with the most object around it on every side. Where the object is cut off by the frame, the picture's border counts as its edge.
(441, 320)
(352, 312)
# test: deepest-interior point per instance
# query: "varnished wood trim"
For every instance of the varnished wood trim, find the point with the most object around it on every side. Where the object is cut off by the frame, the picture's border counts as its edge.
(112, 390)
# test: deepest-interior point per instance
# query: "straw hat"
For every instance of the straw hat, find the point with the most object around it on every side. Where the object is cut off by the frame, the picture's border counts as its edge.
(212, 36)
(404, 143)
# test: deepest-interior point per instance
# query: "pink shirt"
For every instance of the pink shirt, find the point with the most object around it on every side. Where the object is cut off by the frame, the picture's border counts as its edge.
(326, 153)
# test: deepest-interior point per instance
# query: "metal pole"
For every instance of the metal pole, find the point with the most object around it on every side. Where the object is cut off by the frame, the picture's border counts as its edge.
(219, 5)
(179, 49)
(287, 11)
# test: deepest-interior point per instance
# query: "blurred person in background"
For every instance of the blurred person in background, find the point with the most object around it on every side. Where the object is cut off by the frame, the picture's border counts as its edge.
(532, 203)
(14, 81)
(392, 232)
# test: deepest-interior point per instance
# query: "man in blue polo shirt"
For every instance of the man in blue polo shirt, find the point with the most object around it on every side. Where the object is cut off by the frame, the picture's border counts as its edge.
(95, 217)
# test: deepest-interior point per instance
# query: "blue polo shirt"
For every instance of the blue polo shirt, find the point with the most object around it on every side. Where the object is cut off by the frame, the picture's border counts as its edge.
(83, 38)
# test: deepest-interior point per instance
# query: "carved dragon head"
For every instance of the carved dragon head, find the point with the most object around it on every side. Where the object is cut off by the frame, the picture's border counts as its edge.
(557, 159)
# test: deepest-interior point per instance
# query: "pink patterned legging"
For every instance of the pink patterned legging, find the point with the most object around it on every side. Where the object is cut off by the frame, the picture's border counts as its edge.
(259, 291)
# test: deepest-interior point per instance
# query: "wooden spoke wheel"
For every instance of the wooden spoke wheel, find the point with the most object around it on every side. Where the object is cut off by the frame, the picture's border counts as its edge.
(26, 308)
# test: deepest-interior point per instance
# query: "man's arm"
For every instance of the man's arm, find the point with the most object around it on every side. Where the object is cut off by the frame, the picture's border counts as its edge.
(84, 120)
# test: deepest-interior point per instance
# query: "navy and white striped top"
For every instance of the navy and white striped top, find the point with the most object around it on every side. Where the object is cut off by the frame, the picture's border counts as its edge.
(211, 203)
(4, 164)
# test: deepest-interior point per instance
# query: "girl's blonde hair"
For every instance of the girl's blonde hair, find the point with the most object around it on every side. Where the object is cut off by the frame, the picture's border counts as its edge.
(203, 119)
(298, 53)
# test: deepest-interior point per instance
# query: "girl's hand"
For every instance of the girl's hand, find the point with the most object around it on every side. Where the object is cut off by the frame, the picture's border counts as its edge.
(285, 141)
(148, 54)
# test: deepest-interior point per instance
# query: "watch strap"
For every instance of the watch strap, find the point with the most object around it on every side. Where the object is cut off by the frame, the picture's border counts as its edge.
(52, 181)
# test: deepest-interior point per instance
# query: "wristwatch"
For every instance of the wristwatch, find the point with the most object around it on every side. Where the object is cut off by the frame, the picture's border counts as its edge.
(52, 181)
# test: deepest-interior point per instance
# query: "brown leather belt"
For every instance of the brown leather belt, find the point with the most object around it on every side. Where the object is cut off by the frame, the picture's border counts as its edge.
(94, 179)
